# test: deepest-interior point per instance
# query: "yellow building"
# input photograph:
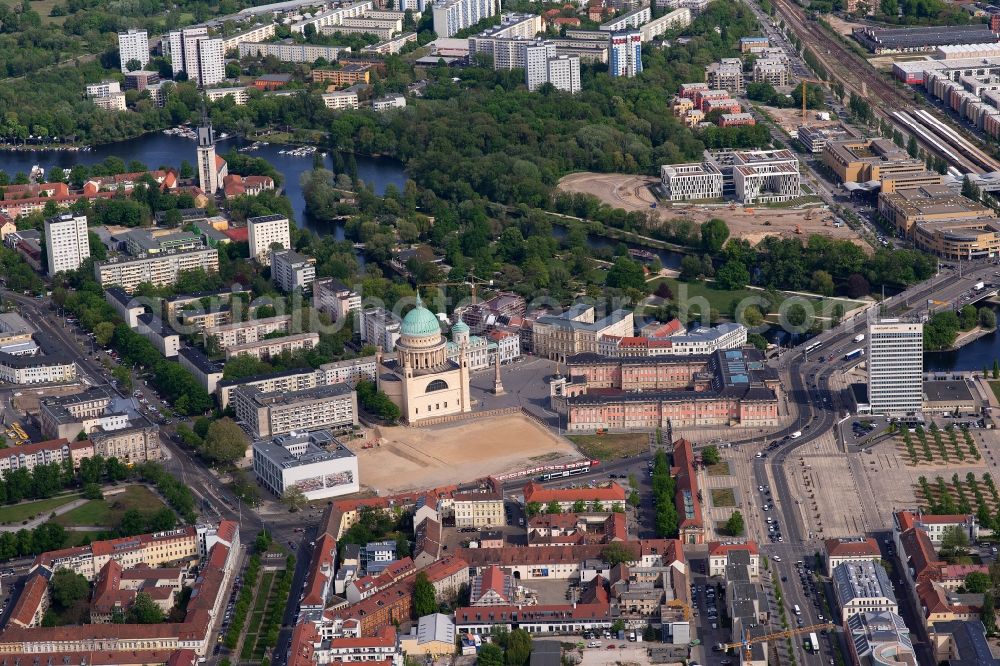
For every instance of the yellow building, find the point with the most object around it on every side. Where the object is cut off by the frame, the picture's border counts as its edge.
(941, 222)
(863, 160)
(421, 381)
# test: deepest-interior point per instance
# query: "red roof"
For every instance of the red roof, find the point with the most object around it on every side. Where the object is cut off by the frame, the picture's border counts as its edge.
(227, 530)
(237, 234)
(445, 567)
(386, 638)
(852, 548)
(304, 637)
(320, 570)
(534, 492)
(554, 613)
(687, 486)
(721, 548)
(493, 579)
(28, 601)
(29, 449)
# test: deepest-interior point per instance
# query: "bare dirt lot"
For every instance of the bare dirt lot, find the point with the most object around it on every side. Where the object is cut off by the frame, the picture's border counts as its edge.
(27, 400)
(790, 118)
(426, 457)
(631, 192)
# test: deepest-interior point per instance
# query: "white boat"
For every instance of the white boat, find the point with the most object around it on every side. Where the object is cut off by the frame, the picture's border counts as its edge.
(37, 174)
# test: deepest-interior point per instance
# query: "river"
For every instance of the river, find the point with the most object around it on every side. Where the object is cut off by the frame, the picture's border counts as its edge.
(157, 149)
(979, 353)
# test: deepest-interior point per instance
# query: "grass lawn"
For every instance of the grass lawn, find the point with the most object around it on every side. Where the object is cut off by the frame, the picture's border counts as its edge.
(611, 447)
(996, 389)
(108, 512)
(723, 497)
(21, 512)
(719, 469)
(721, 300)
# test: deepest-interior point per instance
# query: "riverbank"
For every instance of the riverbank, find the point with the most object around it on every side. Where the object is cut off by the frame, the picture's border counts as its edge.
(965, 337)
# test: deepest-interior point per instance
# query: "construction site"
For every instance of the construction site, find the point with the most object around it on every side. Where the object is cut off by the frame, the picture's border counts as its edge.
(753, 224)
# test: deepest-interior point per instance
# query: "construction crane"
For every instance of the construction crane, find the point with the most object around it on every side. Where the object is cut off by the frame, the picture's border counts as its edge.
(805, 90)
(748, 642)
(470, 281)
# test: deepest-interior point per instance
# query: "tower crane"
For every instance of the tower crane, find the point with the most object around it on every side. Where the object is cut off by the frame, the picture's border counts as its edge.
(805, 90)
(748, 642)
(470, 281)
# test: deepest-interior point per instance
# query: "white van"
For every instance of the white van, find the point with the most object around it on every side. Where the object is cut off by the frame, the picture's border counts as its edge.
(797, 610)
(796, 434)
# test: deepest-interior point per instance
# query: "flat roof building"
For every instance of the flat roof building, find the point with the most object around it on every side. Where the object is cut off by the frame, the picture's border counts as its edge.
(315, 462)
(895, 366)
(268, 414)
(863, 587)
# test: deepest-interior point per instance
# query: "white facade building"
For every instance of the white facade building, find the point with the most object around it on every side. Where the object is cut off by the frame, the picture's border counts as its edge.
(863, 587)
(625, 53)
(389, 102)
(105, 88)
(291, 270)
(335, 298)
(67, 244)
(379, 327)
(314, 462)
(333, 16)
(564, 73)
(678, 18)
(265, 231)
(630, 21)
(159, 269)
(682, 182)
(895, 366)
(133, 45)
(211, 62)
(254, 34)
(340, 99)
(536, 63)
(450, 16)
(291, 52)
(766, 176)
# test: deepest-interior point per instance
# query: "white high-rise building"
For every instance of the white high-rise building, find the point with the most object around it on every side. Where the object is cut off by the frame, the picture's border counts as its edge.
(625, 54)
(133, 45)
(536, 63)
(265, 231)
(564, 73)
(211, 62)
(208, 172)
(450, 16)
(66, 242)
(895, 366)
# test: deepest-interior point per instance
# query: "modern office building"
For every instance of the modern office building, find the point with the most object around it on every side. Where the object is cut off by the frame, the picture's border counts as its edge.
(314, 462)
(450, 16)
(683, 182)
(67, 244)
(158, 269)
(291, 270)
(862, 160)
(625, 53)
(895, 366)
(766, 176)
(133, 45)
(267, 414)
(265, 232)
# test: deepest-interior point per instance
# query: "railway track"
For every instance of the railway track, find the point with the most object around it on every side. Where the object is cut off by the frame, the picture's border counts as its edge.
(859, 78)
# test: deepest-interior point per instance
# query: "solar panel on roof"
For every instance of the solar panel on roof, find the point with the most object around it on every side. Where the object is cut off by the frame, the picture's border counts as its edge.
(739, 379)
(734, 353)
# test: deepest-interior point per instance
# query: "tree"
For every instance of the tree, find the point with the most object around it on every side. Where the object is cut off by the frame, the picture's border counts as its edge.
(103, 333)
(294, 498)
(132, 523)
(822, 283)
(424, 602)
(518, 648)
(262, 542)
(735, 525)
(714, 234)
(133, 65)
(186, 170)
(911, 146)
(691, 268)
(710, 455)
(553, 507)
(490, 655)
(68, 588)
(145, 610)
(987, 318)
(988, 613)
(579, 506)
(890, 7)
(616, 553)
(626, 274)
(969, 189)
(225, 442)
(977, 582)
(634, 499)
(857, 286)
(733, 275)
(533, 509)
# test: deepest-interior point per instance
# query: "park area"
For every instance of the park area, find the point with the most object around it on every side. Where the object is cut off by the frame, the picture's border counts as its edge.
(409, 458)
(16, 514)
(632, 193)
(106, 515)
(611, 446)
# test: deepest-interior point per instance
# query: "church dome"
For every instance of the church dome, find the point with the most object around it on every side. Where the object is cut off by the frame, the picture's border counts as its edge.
(460, 327)
(420, 322)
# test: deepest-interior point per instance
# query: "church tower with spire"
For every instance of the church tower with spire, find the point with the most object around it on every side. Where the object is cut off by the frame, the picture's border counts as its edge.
(208, 171)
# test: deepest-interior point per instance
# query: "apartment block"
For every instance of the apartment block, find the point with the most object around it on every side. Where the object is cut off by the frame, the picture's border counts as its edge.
(286, 381)
(166, 340)
(348, 75)
(29, 456)
(269, 414)
(340, 99)
(771, 71)
(291, 52)
(105, 88)
(207, 372)
(241, 332)
(291, 270)
(159, 269)
(333, 17)
(678, 18)
(257, 33)
(450, 16)
(211, 62)
(133, 45)
(895, 366)
(625, 53)
(335, 298)
(726, 74)
(391, 46)
(349, 27)
(67, 243)
(266, 231)
(693, 181)
(628, 21)
(379, 327)
(270, 347)
(240, 95)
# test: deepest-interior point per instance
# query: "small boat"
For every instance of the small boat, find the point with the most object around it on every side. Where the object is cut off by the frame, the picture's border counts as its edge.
(37, 174)
(641, 254)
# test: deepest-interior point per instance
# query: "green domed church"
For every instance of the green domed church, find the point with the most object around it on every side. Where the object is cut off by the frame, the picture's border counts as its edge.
(420, 379)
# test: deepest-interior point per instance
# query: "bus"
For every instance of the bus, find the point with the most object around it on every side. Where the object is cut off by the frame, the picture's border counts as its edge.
(813, 347)
(854, 354)
(813, 643)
